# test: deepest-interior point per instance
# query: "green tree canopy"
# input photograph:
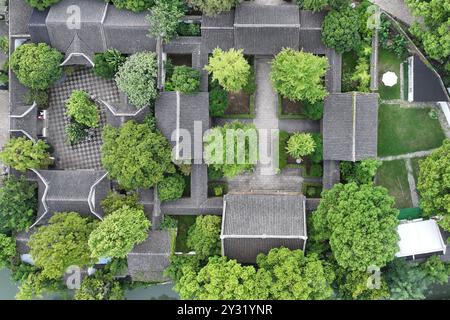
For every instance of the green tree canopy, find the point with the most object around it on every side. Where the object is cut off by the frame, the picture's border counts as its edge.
(361, 172)
(317, 5)
(61, 244)
(136, 156)
(171, 187)
(212, 7)
(360, 224)
(434, 184)
(117, 234)
(18, 204)
(41, 4)
(115, 201)
(22, 154)
(298, 75)
(300, 145)
(133, 5)
(239, 139)
(37, 66)
(185, 80)
(354, 285)
(99, 287)
(107, 63)
(229, 68)
(137, 78)
(165, 17)
(340, 30)
(204, 236)
(82, 109)
(7, 250)
(296, 276)
(223, 279)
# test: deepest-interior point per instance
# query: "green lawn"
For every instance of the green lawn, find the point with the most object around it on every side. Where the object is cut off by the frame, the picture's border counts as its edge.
(184, 223)
(388, 61)
(403, 130)
(393, 176)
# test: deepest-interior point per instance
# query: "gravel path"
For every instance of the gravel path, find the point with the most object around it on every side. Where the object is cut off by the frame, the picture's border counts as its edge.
(412, 184)
(419, 154)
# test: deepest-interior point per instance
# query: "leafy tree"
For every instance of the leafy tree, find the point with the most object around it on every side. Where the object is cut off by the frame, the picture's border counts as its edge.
(41, 4)
(99, 287)
(317, 155)
(133, 5)
(7, 250)
(181, 265)
(75, 132)
(409, 281)
(61, 243)
(218, 101)
(22, 154)
(361, 75)
(296, 276)
(204, 236)
(212, 7)
(340, 30)
(185, 80)
(298, 75)
(137, 78)
(223, 279)
(217, 143)
(18, 204)
(117, 234)
(300, 145)
(107, 63)
(434, 183)
(229, 68)
(361, 172)
(165, 17)
(136, 156)
(360, 224)
(82, 109)
(171, 187)
(317, 5)
(115, 201)
(314, 111)
(37, 66)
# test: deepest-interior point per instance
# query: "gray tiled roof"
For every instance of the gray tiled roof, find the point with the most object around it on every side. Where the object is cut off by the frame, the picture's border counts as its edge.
(218, 31)
(25, 122)
(20, 13)
(149, 259)
(350, 126)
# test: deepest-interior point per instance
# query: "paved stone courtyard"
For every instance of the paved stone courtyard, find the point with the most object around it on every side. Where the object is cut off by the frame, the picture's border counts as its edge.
(84, 155)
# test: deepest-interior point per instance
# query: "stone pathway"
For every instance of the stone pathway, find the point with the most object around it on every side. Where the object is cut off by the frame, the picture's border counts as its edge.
(419, 154)
(396, 8)
(374, 61)
(412, 184)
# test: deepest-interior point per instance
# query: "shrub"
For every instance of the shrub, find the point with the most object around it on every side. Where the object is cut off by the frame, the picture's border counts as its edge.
(137, 78)
(40, 97)
(75, 133)
(300, 145)
(41, 4)
(218, 101)
(7, 250)
(188, 29)
(214, 174)
(82, 109)
(115, 201)
(218, 190)
(298, 75)
(229, 68)
(22, 154)
(37, 66)
(118, 233)
(362, 75)
(212, 7)
(168, 223)
(316, 170)
(340, 30)
(171, 187)
(133, 5)
(185, 79)
(4, 44)
(317, 155)
(204, 236)
(361, 172)
(18, 204)
(314, 111)
(107, 64)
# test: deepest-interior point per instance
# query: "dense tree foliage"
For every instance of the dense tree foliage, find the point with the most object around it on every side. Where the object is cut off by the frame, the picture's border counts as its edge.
(133, 5)
(184, 79)
(317, 5)
(212, 7)
(136, 156)
(107, 63)
(82, 109)
(204, 236)
(61, 243)
(434, 184)
(137, 78)
(164, 18)
(239, 139)
(18, 204)
(298, 75)
(300, 145)
(340, 30)
(41, 4)
(115, 201)
(99, 287)
(296, 276)
(409, 280)
(117, 234)
(434, 32)
(361, 172)
(360, 224)
(37, 66)
(358, 285)
(7, 250)
(171, 187)
(229, 68)
(22, 154)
